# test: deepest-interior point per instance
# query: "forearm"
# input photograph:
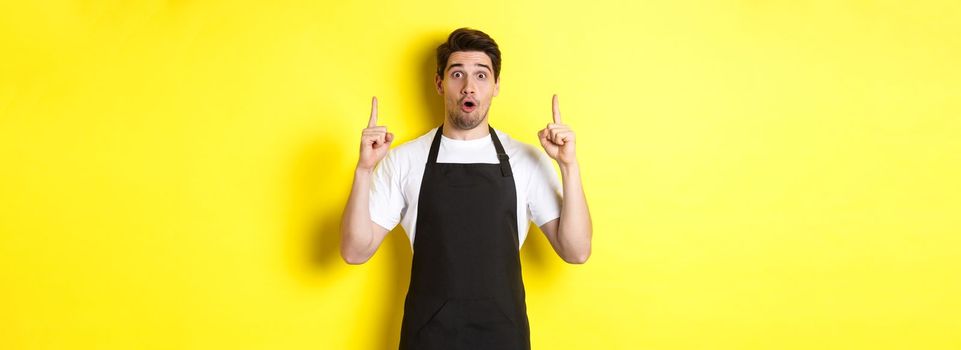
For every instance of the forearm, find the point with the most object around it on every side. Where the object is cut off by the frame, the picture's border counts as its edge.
(356, 231)
(575, 229)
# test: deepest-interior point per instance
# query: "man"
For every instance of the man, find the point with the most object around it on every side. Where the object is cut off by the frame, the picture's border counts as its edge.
(467, 193)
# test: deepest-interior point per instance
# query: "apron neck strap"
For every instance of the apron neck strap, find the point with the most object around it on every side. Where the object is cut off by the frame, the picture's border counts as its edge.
(501, 154)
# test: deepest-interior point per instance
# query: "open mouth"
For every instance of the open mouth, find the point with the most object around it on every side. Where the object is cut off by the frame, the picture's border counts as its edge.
(468, 106)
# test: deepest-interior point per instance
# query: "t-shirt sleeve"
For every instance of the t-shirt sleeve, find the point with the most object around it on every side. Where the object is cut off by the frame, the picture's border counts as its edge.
(386, 198)
(544, 190)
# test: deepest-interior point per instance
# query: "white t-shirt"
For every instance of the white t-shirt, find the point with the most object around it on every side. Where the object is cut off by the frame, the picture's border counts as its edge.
(396, 180)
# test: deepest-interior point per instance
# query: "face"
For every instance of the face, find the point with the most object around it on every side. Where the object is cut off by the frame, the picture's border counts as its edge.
(468, 86)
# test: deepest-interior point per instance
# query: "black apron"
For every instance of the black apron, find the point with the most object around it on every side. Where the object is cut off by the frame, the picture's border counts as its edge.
(466, 290)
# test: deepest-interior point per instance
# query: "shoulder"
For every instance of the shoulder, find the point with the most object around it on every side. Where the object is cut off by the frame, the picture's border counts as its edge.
(520, 153)
(414, 150)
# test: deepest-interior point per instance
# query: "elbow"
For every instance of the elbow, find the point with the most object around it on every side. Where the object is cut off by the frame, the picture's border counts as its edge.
(353, 259)
(351, 256)
(578, 259)
(579, 251)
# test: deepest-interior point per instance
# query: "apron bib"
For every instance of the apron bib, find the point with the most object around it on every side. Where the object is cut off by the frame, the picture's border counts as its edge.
(466, 290)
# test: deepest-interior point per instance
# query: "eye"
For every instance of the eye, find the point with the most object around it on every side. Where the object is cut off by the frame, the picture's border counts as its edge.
(482, 75)
(457, 74)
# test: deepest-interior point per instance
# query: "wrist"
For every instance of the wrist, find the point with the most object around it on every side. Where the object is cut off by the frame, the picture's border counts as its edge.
(569, 166)
(363, 171)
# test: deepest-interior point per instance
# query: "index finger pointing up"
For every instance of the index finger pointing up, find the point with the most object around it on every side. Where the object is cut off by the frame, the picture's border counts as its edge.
(373, 113)
(557, 111)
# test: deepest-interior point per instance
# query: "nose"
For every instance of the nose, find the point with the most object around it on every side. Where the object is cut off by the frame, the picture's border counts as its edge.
(469, 87)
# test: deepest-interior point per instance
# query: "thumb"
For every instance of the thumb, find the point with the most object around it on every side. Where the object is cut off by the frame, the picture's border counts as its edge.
(544, 137)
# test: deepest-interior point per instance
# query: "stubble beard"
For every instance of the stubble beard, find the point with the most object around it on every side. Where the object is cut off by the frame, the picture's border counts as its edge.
(465, 121)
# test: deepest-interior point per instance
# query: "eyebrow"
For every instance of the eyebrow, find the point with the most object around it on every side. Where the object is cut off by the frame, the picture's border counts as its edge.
(476, 64)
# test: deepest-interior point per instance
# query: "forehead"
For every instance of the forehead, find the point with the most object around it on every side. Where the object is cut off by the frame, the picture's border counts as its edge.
(470, 59)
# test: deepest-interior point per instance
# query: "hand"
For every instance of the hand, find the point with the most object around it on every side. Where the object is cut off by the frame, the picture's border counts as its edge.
(558, 139)
(374, 142)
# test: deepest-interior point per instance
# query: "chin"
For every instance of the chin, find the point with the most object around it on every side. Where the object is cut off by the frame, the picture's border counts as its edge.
(466, 122)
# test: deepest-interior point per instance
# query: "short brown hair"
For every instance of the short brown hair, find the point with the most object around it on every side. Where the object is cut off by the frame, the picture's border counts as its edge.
(466, 39)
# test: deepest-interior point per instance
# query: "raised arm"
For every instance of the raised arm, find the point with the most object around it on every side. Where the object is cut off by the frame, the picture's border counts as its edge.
(570, 235)
(359, 235)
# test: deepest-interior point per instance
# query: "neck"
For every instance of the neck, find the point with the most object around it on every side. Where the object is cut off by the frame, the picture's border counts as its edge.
(479, 131)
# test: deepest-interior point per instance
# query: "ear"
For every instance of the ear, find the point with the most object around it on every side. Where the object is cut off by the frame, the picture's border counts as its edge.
(439, 84)
(497, 86)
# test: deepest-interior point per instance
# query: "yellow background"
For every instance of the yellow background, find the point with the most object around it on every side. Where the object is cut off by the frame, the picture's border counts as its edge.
(762, 174)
